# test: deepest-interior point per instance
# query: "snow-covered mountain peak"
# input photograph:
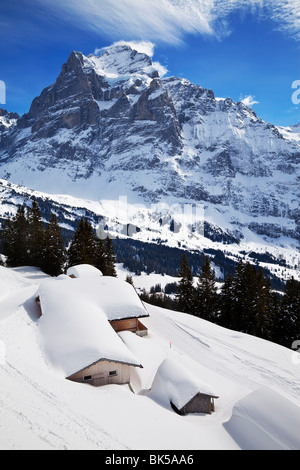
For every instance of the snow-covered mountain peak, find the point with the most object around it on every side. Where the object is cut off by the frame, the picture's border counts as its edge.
(112, 126)
(122, 59)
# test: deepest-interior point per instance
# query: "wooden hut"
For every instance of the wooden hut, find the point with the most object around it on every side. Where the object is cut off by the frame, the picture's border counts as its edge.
(76, 330)
(122, 306)
(200, 403)
(105, 372)
(184, 392)
(130, 324)
(118, 299)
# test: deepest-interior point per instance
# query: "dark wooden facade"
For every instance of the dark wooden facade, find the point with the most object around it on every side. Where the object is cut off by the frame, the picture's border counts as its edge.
(200, 403)
(129, 324)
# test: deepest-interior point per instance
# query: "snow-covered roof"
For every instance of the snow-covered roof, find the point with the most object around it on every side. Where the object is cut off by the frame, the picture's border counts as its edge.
(178, 384)
(83, 270)
(117, 298)
(74, 327)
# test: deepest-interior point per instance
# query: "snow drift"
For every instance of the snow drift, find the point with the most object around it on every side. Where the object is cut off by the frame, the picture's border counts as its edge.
(74, 326)
(258, 383)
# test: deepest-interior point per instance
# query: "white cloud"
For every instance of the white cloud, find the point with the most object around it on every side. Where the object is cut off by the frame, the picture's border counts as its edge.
(157, 20)
(146, 47)
(249, 100)
(286, 13)
(169, 20)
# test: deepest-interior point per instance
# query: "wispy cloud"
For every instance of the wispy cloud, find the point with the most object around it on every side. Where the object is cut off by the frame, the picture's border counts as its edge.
(286, 13)
(157, 20)
(249, 100)
(169, 20)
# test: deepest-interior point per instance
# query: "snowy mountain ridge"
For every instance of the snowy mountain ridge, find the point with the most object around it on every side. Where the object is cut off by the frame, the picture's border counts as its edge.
(291, 132)
(282, 262)
(114, 128)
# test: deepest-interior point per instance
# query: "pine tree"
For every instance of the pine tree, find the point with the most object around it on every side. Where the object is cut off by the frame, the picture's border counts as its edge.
(247, 303)
(100, 255)
(86, 248)
(129, 279)
(206, 293)
(288, 323)
(25, 242)
(83, 247)
(144, 296)
(110, 259)
(53, 253)
(227, 303)
(263, 311)
(6, 240)
(185, 292)
(14, 235)
(35, 236)
(243, 287)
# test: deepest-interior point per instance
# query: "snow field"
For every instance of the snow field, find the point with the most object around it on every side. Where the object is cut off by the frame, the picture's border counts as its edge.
(257, 381)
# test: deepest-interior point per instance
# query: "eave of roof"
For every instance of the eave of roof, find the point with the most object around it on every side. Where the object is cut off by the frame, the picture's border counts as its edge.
(129, 318)
(104, 359)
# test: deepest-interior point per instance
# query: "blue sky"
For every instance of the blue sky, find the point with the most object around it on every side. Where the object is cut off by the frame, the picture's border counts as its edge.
(242, 49)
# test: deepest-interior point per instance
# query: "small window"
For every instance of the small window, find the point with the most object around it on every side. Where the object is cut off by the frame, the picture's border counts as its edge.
(87, 377)
(112, 373)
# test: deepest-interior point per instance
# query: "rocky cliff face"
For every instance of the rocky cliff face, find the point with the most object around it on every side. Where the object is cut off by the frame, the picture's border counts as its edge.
(111, 126)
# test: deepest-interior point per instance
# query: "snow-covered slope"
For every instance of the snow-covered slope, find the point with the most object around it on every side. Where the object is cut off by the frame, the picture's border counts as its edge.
(174, 226)
(257, 381)
(7, 120)
(112, 125)
(291, 132)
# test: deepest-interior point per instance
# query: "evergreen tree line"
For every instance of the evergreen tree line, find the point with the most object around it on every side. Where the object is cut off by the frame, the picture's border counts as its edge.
(27, 241)
(87, 248)
(245, 303)
(138, 257)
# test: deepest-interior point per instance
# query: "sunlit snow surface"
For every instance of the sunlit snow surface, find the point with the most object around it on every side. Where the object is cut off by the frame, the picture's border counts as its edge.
(258, 384)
